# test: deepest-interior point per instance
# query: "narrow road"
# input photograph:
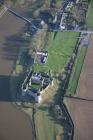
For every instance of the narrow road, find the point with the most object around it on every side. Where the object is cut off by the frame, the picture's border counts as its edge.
(14, 124)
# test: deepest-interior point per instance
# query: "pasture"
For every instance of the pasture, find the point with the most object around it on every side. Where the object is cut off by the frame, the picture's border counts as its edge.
(60, 47)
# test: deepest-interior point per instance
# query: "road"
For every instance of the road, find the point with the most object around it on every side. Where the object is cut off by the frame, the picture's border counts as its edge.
(14, 124)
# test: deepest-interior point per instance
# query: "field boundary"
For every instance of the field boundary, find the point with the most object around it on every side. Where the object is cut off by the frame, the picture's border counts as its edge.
(70, 119)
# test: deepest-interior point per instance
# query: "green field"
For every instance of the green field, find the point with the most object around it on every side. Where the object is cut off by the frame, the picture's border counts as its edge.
(59, 51)
(47, 128)
(36, 86)
(89, 19)
(76, 71)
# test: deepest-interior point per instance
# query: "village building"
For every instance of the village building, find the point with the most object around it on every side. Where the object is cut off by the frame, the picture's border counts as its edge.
(63, 23)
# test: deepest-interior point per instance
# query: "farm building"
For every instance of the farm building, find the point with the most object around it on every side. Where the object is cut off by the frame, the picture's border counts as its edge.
(41, 57)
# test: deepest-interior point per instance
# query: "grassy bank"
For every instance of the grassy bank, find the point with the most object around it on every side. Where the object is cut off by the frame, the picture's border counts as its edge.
(77, 70)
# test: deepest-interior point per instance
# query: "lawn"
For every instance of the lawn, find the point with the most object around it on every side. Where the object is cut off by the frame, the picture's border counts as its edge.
(89, 19)
(77, 70)
(60, 49)
(36, 86)
(47, 128)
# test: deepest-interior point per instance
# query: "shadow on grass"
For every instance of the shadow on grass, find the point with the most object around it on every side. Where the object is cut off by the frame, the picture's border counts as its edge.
(4, 88)
(15, 85)
(10, 88)
(13, 44)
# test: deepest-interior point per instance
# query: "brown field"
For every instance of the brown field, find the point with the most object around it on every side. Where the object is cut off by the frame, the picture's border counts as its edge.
(14, 124)
(80, 110)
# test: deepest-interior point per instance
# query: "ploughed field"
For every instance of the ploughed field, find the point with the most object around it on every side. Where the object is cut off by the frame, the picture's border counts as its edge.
(14, 124)
(81, 110)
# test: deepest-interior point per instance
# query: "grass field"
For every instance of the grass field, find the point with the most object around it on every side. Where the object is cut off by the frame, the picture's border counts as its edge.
(59, 51)
(46, 126)
(76, 71)
(89, 19)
